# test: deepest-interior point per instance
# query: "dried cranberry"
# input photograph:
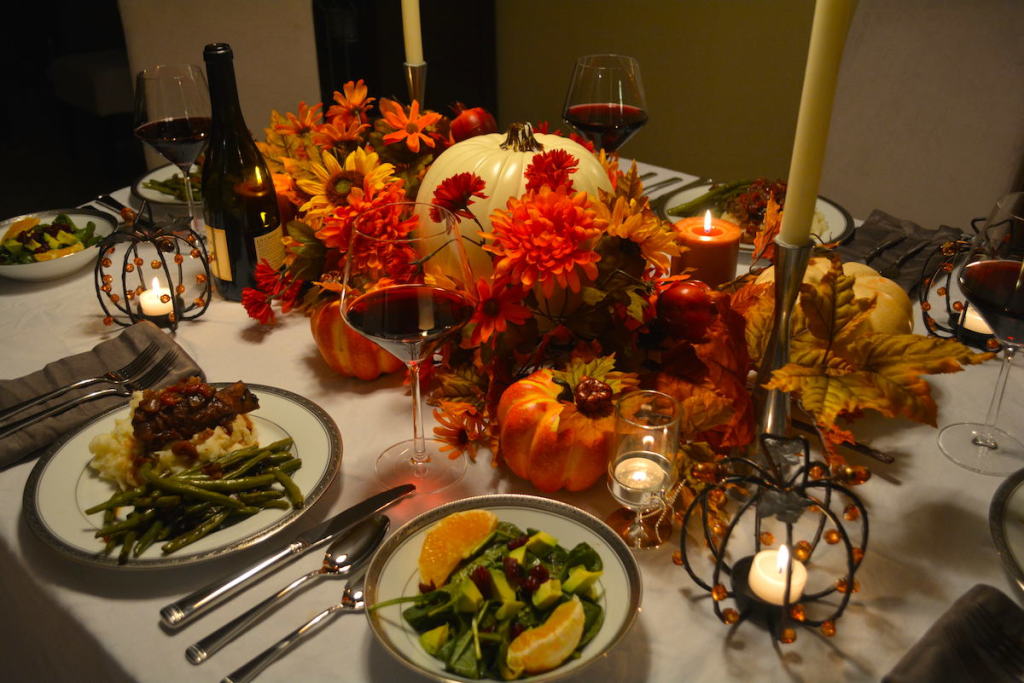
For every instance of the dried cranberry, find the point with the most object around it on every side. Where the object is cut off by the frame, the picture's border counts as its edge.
(530, 584)
(516, 629)
(426, 587)
(540, 572)
(482, 578)
(513, 570)
(516, 542)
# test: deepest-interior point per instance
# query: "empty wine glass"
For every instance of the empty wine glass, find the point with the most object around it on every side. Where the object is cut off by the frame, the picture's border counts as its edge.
(644, 466)
(992, 280)
(605, 101)
(407, 288)
(172, 115)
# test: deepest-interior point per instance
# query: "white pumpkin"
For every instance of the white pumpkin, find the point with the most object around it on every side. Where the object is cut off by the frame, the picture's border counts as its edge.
(893, 312)
(500, 160)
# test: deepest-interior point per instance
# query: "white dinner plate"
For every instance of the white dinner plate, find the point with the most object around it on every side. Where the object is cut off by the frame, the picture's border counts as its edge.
(838, 219)
(140, 192)
(393, 572)
(65, 265)
(1006, 522)
(62, 485)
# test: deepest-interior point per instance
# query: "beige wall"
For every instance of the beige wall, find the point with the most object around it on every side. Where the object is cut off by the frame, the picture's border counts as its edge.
(722, 77)
(929, 118)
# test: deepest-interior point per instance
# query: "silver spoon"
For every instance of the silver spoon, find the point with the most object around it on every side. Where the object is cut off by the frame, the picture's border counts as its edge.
(345, 555)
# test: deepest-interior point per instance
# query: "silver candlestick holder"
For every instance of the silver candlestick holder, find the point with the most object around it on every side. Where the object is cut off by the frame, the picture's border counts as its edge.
(416, 82)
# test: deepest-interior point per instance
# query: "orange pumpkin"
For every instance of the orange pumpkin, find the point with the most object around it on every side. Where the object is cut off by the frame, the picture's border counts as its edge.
(549, 441)
(345, 350)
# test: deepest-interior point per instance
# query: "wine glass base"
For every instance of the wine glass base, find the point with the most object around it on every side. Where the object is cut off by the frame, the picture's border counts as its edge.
(396, 466)
(653, 531)
(957, 444)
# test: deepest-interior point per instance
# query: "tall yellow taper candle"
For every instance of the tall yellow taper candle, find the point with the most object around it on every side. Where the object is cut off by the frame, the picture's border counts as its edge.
(411, 31)
(828, 34)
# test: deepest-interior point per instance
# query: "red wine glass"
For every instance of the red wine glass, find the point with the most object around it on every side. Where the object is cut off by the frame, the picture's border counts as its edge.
(408, 288)
(605, 101)
(172, 115)
(992, 280)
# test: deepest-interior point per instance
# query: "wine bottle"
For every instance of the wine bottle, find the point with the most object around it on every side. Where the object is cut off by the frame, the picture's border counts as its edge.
(239, 202)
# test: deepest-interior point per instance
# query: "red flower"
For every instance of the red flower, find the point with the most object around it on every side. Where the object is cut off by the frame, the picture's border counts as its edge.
(268, 279)
(551, 168)
(456, 193)
(257, 305)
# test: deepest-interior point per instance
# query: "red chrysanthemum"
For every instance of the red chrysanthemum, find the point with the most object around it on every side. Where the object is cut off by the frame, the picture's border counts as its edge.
(544, 238)
(498, 304)
(257, 305)
(456, 194)
(552, 168)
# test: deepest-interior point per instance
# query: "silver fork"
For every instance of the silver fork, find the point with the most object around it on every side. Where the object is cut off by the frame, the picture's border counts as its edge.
(121, 376)
(144, 381)
(351, 601)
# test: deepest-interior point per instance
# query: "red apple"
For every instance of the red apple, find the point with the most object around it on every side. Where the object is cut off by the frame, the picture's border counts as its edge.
(687, 308)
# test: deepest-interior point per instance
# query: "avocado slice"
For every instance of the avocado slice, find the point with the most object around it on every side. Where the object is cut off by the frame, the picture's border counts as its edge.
(518, 554)
(541, 543)
(547, 594)
(469, 597)
(580, 580)
(508, 610)
(433, 639)
(502, 590)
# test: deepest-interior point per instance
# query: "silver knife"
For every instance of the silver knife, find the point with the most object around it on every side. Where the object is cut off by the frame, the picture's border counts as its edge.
(179, 613)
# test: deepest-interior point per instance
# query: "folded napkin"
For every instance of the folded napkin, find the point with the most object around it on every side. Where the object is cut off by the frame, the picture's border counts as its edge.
(104, 357)
(899, 249)
(957, 648)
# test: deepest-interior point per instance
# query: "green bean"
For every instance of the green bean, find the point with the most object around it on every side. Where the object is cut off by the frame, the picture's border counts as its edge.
(290, 466)
(247, 465)
(231, 485)
(116, 500)
(257, 497)
(290, 488)
(174, 486)
(126, 549)
(157, 502)
(195, 534)
(147, 538)
(133, 521)
(277, 504)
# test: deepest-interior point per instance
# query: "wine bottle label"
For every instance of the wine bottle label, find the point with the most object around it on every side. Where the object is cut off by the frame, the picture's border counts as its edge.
(220, 262)
(270, 247)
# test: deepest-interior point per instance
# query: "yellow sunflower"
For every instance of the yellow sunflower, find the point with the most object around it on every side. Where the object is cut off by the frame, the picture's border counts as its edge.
(629, 219)
(332, 182)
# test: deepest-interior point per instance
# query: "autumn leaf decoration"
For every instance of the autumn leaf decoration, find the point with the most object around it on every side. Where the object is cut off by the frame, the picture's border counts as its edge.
(839, 367)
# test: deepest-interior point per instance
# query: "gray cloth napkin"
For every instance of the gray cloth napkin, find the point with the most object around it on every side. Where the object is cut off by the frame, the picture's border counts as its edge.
(899, 249)
(104, 357)
(955, 648)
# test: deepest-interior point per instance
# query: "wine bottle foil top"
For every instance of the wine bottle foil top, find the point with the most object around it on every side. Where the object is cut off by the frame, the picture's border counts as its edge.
(217, 51)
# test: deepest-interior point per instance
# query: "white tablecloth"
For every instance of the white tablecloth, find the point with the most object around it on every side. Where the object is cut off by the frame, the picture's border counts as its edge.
(929, 540)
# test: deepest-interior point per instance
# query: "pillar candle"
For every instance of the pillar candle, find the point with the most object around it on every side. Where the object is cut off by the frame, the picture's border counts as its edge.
(411, 32)
(713, 245)
(152, 302)
(828, 35)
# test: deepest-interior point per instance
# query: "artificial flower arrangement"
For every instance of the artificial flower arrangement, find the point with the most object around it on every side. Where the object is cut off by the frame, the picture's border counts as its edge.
(575, 301)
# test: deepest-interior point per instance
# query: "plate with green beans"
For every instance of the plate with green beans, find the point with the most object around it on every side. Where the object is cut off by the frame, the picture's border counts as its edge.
(197, 514)
(165, 186)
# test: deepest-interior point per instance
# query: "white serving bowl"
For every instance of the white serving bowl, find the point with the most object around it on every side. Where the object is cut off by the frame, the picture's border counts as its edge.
(65, 265)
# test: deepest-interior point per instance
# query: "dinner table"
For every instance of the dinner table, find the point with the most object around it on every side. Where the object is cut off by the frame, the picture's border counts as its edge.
(929, 543)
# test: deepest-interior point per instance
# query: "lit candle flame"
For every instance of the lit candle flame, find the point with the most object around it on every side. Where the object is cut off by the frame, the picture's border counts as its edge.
(155, 284)
(783, 558)
(707, 221)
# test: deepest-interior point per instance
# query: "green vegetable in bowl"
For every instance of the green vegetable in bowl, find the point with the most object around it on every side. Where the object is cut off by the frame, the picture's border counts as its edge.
(29, 240)
(520, 604)
(175, 186)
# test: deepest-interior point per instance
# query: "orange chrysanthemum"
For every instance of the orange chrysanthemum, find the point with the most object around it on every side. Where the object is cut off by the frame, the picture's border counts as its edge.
(544, 238)
(462, 428)
(306, 121)
(409, 127)
(339, 134)
(498, 304)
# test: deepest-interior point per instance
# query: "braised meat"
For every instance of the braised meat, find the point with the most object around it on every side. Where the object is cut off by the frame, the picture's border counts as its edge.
(167, 416)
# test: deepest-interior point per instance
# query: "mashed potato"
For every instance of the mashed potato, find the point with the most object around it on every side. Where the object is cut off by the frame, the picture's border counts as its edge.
(115, 453)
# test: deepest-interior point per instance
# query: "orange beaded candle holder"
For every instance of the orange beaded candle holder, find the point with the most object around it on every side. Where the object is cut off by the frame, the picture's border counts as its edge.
(777, 589)
(712, 248)
(155, 272)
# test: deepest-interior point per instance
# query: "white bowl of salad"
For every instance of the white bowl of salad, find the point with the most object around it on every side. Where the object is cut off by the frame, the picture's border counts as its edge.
(48, 245)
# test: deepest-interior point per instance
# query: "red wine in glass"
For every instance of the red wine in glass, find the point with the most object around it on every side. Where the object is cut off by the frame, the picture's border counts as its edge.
(996, 289)
(178, 140)
(605, 101)
(607, 125)
(409, 321)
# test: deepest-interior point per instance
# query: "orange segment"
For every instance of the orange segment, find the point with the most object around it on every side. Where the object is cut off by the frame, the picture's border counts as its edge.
(452, 540)
(544, 647)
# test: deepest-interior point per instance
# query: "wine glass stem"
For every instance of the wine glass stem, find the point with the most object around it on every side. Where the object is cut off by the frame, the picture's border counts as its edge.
(986, 439)
(189, 201)
(419, 443)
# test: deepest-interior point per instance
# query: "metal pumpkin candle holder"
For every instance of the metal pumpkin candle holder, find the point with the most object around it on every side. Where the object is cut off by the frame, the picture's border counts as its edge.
(141, 274)
(772, 595)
